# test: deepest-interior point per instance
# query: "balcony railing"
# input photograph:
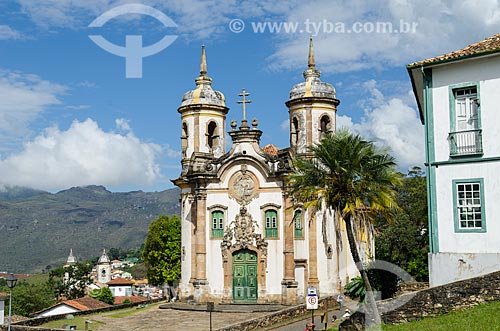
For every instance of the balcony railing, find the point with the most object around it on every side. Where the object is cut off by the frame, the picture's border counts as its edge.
(469, 142)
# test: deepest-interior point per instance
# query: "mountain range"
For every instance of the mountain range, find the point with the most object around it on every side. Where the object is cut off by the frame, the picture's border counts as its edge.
(39, 228)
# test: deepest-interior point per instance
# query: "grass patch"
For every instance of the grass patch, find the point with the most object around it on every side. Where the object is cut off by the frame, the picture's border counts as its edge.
(484, 317)
(128, 312)
(79, 321)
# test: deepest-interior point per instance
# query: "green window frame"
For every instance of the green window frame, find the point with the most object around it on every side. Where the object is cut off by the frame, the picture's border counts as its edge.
(298, 223)
(217, 224)
(271, 223)
(469, 205)
(465, 107)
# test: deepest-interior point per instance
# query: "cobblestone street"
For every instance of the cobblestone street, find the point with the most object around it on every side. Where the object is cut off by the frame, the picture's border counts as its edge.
(169, 319)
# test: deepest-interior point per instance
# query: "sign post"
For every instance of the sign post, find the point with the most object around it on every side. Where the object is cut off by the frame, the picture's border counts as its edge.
(312, 300)
(210, 308)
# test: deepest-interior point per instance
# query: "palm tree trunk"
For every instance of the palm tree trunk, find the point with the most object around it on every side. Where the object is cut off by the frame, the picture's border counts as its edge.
(372, 315)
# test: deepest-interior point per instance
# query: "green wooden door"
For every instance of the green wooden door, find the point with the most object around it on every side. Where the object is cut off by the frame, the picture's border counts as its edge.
(245, 276)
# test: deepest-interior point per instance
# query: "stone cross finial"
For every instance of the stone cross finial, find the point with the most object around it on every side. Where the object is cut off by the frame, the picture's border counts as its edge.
(244, 94)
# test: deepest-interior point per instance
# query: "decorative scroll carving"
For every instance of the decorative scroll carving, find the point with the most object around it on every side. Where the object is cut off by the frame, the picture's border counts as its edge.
(241, 233)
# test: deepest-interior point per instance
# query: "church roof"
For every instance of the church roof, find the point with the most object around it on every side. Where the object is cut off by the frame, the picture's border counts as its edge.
(486, 46)
(71, 258)
(104, 257)
(203, 94)
(312, 86)
(270, 149)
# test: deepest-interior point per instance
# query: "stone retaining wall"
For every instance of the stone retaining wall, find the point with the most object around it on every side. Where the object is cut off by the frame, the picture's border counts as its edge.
(442, 299)
(433, 301)
(280, 316)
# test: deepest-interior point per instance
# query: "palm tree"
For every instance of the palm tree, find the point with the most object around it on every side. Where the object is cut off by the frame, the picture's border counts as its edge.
(355, 179)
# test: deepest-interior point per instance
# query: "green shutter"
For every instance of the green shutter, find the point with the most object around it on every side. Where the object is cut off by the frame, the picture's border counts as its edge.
(297, 218)
(271, 224)
(217, 224)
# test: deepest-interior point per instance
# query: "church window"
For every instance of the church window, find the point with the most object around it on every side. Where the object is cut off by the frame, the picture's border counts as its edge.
(212, 135)
(271, 223)
(294, 139)
(184, 138)
(217, 224)
(298, 223)
(325, 124)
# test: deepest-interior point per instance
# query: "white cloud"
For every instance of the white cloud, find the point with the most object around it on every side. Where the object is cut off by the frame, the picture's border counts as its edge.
(336, 51)
(390, 122)
(6, 32)
(439, 29)
(82, 155)
(22, 98)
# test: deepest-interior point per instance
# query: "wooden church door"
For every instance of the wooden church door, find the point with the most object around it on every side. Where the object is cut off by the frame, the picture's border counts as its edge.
(244, 276)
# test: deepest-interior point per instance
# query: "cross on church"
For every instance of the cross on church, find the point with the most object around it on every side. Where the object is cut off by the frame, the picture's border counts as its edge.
(244, 94)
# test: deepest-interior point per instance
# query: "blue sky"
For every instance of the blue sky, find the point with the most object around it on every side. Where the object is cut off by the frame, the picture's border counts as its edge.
(69, 116)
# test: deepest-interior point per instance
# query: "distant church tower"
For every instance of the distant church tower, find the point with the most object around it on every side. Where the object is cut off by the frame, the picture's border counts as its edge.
(104, 268)
(71, 259)
(312, 108)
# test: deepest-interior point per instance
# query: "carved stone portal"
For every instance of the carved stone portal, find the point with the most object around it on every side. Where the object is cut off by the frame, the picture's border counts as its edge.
(240, 234)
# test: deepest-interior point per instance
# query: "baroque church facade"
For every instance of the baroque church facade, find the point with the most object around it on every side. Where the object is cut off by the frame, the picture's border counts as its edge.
(243, 238)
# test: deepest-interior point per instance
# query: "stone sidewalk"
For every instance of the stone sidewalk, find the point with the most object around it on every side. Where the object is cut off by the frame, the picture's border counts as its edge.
(153, 318)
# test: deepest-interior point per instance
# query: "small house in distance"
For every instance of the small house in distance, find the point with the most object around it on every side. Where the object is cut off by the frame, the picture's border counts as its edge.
(72, 306)
(120, 287)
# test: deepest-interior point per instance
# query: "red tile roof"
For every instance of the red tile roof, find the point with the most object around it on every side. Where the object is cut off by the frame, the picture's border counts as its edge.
(85, 303)
(487, 46)
(270, 149)
(120, 281)
(133, 299)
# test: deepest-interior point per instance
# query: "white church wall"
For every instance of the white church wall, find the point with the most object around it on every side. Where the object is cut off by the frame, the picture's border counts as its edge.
(187, 229)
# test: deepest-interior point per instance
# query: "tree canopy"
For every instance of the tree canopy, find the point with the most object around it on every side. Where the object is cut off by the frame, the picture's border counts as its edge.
(162, 250)
(70, 282)
(353, 177)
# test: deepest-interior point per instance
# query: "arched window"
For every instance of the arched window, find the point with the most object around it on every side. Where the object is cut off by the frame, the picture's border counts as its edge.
(325, 124)
(212, 135)
(217, 224)
(271, 223)
(298, 224)
(184, 138)
(294, 138)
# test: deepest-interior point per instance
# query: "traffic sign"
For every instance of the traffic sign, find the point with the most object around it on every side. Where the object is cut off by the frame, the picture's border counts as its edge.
(312, 302)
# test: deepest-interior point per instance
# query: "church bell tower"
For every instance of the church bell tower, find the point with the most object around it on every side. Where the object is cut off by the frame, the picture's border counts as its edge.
(312, 107)
(203, 114)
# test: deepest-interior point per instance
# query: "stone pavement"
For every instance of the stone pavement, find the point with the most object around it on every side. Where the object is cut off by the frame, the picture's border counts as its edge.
(153, 318)
(180, 316)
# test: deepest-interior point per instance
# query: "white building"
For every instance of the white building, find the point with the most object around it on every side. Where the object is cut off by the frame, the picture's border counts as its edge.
(104, 268)
(458, 96)
(120, 287)
(243, 239)
(72, 306)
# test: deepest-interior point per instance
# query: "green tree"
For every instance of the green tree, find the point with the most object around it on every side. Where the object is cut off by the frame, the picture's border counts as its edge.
(162, 250)
(71, 281)
(29, 298)
(353, 177)
(105, 295)
(405, 241)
